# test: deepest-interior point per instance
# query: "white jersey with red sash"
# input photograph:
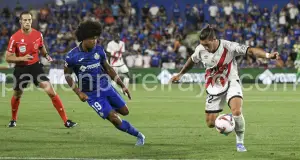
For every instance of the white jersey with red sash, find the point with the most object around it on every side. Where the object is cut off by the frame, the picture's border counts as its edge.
(116, 49)
(221, 66)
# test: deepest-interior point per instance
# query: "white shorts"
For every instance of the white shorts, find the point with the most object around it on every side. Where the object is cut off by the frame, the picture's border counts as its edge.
(215, 103)
(121, 69)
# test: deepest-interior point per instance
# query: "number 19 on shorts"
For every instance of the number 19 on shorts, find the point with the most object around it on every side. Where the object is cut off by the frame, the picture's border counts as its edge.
(97, 106)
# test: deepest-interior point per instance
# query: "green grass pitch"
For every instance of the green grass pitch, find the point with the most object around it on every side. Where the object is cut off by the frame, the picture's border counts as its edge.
(172, 120)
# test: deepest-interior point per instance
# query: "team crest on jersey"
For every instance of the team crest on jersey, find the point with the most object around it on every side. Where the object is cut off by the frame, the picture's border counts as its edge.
(36, 46)
(96, 56)
(22, 49)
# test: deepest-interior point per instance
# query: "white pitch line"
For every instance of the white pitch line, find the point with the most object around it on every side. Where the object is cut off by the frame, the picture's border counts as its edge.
(52, 158)
(47, 158)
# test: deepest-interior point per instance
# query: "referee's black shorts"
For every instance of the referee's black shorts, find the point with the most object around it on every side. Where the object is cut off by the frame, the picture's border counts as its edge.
(29, 73)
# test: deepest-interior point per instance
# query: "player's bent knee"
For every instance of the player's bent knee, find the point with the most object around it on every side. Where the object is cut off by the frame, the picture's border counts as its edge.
(18, 94)
(124, 111)
(51, 95)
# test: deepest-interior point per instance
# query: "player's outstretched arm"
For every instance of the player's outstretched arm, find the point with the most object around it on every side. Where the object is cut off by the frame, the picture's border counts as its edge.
(187, 66)
(12, 58)
(114, 76)
(68, 72)
(260, 53)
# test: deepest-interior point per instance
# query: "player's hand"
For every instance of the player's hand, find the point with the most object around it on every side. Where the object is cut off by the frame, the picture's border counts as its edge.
(82, 96)
(49, 58)
(126, 92)
(274, 55)
(175, 78)
(27, 57)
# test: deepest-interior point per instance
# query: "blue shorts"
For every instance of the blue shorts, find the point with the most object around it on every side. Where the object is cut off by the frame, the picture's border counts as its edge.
(105, 101)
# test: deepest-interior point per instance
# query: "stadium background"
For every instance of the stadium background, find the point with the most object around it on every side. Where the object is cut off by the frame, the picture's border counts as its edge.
(157, 32)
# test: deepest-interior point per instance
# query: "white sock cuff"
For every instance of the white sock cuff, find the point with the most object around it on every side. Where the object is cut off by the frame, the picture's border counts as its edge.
(240, 116)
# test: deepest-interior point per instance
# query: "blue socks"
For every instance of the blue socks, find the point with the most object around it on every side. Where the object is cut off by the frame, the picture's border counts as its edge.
(127, 127)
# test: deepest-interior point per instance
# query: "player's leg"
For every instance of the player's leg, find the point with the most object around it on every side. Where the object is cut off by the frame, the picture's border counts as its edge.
(15, 101)
(125, 126)
(117, 102)
(214, 105)
(57, 103)
(210, 119)
(21, 80)
(119, 105)
(125, 74)
(103, 106)
(235, 102)
(41, 80)
(124, 111)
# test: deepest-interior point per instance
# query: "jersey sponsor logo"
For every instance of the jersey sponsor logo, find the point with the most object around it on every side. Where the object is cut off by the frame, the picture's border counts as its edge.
(80, 59)
(22, 49)
(82, 68)
(97, 56)
(88, 67)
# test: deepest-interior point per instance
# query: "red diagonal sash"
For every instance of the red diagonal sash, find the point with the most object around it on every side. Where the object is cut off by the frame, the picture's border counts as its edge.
(115, 59)
(220, 70)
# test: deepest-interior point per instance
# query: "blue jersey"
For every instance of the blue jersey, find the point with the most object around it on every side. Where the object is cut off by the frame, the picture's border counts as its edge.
(88, 67)
(93, 80)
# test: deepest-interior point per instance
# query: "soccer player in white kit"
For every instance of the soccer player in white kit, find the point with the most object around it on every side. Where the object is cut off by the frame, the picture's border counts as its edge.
(116, 48)
(221, 79)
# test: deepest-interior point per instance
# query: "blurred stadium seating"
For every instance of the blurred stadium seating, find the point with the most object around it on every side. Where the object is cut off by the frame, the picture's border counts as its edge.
(156, 31)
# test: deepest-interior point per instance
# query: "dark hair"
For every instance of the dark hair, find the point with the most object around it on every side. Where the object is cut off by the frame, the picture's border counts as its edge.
(207, 32)
(25, 12)
(88, 29)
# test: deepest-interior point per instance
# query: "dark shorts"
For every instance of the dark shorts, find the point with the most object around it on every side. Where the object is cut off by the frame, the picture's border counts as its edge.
(26, 74)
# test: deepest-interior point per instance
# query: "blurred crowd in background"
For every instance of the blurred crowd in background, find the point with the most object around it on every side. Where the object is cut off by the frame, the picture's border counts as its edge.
(153, 36)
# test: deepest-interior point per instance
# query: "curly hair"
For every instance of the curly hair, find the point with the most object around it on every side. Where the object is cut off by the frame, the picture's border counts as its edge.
(88, 29)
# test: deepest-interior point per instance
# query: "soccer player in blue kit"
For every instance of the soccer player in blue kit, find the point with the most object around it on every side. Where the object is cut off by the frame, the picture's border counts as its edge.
(88, 61)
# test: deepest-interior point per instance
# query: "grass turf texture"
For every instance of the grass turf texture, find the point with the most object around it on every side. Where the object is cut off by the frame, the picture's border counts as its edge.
(173, 122)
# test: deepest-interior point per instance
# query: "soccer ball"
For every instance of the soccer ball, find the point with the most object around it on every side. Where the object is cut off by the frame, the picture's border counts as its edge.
(225, 123)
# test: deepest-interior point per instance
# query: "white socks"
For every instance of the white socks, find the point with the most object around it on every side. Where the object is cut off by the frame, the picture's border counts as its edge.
(239, 128)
